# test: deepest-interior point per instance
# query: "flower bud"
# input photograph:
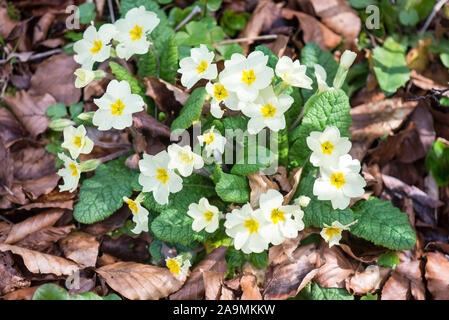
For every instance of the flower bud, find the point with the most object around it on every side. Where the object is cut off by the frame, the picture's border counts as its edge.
(303, 201)
(60, 124)
(89, 165)
(83, 77)
(347, 59)
(86, 116)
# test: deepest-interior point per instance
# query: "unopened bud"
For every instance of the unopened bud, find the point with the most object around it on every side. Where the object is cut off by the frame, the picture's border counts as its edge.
(60, 124)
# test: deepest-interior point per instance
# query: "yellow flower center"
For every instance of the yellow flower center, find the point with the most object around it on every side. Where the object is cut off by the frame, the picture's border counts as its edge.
(331, 232)
(337, 179)
(268, 111)
(117, 108)
(136, 33)
(277, 215)
(209, 137)
(220, 92)
(162, 175)
(97, 47)
(248, 77)
(77, 141)
(74, 169)
(252, 225)
(327, 147)
(173, 266)
(132, 206)
(186, 157)
(202, 67)
(208, 215)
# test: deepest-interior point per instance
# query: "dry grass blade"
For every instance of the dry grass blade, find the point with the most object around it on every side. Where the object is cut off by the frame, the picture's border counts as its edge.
(38, 262)
(138, 281)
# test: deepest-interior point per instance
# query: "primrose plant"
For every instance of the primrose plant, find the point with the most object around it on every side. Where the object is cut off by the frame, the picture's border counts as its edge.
(186, 198)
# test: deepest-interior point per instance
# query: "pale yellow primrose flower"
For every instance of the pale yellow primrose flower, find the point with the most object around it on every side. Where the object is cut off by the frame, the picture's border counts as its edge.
(132, 32)
(321, 77)
(284, 221)
(213, 140)
(246, 76)
(293, 73)
(303, 201)
(140, 215)
(267, 111)
(71, 173)
(332, 234)
(327, 146)
(76, 141)
(204, 215)
(219, 94)
(94, 47)
(156, 177)
(244, 226)
(117, 106)
(198, 66)
(339, 182)
(183, 159)
(178, 266)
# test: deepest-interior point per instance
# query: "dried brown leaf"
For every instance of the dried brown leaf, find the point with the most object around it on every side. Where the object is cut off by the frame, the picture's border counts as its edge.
(368, 280)
(147, 125)
(38, 262)
(21, 230)
(10, 128)
(10, 278)
(80, 247)
(249, 288)
(45, 240)
(259, 184)
(437, 275)
(194, 289)
(336, 269)
(212, 284)
(21, 294)
(138, 281)
(37, 187)
(6, 170)
(31, 160)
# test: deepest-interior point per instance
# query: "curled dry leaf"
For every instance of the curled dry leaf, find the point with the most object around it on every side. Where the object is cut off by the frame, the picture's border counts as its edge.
(37, 187)
(137, 281)
(44, 240)
(48, 204)
(405, 280)
(42, 26)
(294, 178)
(281, 178)
(80, 247)
(259, 184)
(110, 224)
(60, 67)
(144, 123)
(38, 262)
(21, 294)
(249, 287)
(286, 278)
(10, 278)
(313, 30)
(7, 24)
(30, 110)
(336, 269)
(10, 128)
(338, 16)
(213, 283)
(163, 96)
(21, 230)
(368, 280)
(437, 275)
(194, 288)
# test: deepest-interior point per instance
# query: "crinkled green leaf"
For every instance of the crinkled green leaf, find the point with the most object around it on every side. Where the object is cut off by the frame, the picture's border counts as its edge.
(388, 260)
(191, 110)
(235, 258)
(199, 32)
(320, 293)
(102, 195)
(122, 74)
(252, 160)
(50, 291)
(173, 224)
(390, 66)
(230, 187)
(169, 61)
(328, 108)
(437, 161)
(155, 250)
(312, 54)
(259, 260)
(147, 65)
(228, 50)
(56, 111)
(383, 224)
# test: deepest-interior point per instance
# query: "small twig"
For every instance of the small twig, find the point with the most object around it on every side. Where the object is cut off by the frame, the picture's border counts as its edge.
(111, 11)
(194, 12)
(6, 220)
(435, 10)
(434, 94)
(111, 145)
(264, 37)
(114, 155)
(36, 56)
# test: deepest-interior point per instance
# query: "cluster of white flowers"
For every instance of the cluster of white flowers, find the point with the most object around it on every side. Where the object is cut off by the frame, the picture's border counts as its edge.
(76, 142)
(246, 85)
(254, 229)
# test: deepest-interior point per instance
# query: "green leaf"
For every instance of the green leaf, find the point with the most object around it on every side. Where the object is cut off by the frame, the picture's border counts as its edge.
(251, 160)
(312, 54)
(361, 4)
(173, 224)
(235, 123)
(199, 32)
(259, 260)
(155, 250)
(122, 74)
(369, 296)
(165, 1)
(272, 58)
(388, 260)
(328, 108)
(147, 65)
(383, 224)
(390, 66)
(230, 187)
(228, 50)
(437, 161)
(87, 12)
(56, 111)
(320, 293)
(101, 195)
(235, 258)
(409, 17)
(50, 291)
(213, 5)
(169, 61)
(93, 296)
(191, 110)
